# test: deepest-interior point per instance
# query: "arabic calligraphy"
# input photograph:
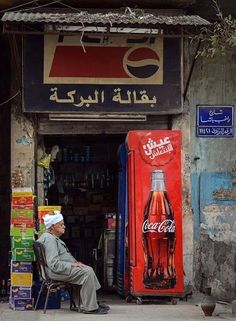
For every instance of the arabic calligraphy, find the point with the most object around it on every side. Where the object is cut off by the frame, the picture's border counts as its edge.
(98, 97)
(132, 97)
(215, 116)
(216, 131)
(71, 100)
(154, 149)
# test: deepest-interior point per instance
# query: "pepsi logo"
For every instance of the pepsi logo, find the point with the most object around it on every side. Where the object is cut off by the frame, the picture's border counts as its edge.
(141, 62)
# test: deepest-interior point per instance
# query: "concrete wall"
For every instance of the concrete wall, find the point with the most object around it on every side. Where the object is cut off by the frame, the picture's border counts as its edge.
(182, 122)
(22, 150)
(213, 191)
(5, 109)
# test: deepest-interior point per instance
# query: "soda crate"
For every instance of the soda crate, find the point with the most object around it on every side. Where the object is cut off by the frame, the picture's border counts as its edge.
(21, 231)
(21, 267)
(24, 198)
(27, 207)
(27, 222)
(23, 254)
(21, 242)
(43, 210)
(21, 304)
(20, 292)
(54, 299)
(17, 213)
(42, 229)
(21, 279)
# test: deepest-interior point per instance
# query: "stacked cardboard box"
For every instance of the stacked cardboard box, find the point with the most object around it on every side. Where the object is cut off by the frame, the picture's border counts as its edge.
(22, 254)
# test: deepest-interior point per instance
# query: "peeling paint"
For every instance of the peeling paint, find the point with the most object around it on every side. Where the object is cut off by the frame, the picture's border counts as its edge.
(25, 140)
(220, 222)
(22, 157)
(225, 194)
(217, 267)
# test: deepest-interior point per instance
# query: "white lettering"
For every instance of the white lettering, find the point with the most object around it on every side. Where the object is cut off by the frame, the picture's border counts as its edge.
(154, 149)
(166, 226)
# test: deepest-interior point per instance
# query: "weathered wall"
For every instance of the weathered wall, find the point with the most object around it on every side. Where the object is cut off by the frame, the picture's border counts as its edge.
(4, 156)
(22, 150)
(182, 122)
(212, 186)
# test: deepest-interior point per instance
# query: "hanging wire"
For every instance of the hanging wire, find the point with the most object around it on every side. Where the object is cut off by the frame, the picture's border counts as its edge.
(16, 58)
(43, 5)
(81, 42)
(70, 7)
(19, 6)
(7, 101)
(77, 10)
(29, 3)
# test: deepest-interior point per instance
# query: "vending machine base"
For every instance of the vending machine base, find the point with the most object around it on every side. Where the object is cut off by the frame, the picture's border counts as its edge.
(187, 293)
(152, 299)
(173, 298)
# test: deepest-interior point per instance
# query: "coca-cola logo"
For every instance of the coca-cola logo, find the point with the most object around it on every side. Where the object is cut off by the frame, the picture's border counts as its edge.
(166, 226)
(158, 149)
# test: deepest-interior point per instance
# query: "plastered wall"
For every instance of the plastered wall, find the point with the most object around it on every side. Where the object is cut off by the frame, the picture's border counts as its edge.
(22, 151)
(213, 191)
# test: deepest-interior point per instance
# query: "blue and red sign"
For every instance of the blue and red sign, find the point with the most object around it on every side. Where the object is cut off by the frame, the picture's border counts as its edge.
(116, 62)
(97, 74)
(215, 121)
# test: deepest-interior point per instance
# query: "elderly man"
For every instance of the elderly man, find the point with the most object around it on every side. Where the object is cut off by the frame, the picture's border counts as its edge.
(62, 266)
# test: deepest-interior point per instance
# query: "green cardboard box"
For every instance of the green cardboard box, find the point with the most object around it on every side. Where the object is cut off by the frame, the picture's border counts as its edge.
(22, 213)
(42, 229)
(21, 231)
(23, 255)
(22, 242)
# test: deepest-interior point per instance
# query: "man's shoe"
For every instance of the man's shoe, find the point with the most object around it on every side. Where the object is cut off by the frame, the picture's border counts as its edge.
(76, 309)
(103, 305)
(97, 311)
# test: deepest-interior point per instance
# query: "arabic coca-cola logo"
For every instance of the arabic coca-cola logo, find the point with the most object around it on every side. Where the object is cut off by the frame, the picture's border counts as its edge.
(158, 150)
(166, 226)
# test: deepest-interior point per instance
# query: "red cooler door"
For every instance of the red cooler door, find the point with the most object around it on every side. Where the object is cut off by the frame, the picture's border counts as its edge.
(155, 212)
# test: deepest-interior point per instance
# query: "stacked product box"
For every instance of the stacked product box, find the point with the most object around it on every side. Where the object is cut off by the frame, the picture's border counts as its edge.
(43, 210)
(21, 286)
(22, 254)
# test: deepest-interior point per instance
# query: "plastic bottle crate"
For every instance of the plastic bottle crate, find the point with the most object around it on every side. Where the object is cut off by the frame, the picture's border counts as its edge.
(54, 300)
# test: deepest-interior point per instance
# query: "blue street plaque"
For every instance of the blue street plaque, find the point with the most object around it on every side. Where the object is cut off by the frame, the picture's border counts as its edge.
(215, 121)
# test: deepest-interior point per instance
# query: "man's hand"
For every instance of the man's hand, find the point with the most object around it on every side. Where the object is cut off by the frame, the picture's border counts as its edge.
(78, 264)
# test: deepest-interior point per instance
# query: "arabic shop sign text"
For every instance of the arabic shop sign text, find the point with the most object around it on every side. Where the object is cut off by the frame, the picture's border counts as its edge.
(128, 97)
(215, 121)
(127, 74)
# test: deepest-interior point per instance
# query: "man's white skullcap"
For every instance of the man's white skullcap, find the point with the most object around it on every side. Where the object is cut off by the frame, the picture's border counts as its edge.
(49, 219)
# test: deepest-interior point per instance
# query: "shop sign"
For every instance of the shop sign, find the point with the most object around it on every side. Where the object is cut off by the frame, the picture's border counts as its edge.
(215, 121)
(102, 74)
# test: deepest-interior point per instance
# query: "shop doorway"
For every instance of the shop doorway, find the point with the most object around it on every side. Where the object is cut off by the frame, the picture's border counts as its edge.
(83, 181)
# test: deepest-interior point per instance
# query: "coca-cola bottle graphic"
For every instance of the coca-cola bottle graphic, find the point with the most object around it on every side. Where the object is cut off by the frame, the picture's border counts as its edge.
(159, 237)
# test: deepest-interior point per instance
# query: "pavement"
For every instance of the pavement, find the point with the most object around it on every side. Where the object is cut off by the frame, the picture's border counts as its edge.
(120, 310)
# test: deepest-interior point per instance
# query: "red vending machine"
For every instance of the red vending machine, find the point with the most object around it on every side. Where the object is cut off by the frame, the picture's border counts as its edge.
(155, 214)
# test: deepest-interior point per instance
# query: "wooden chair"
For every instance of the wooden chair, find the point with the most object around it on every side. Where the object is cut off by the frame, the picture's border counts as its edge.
(47, 283)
